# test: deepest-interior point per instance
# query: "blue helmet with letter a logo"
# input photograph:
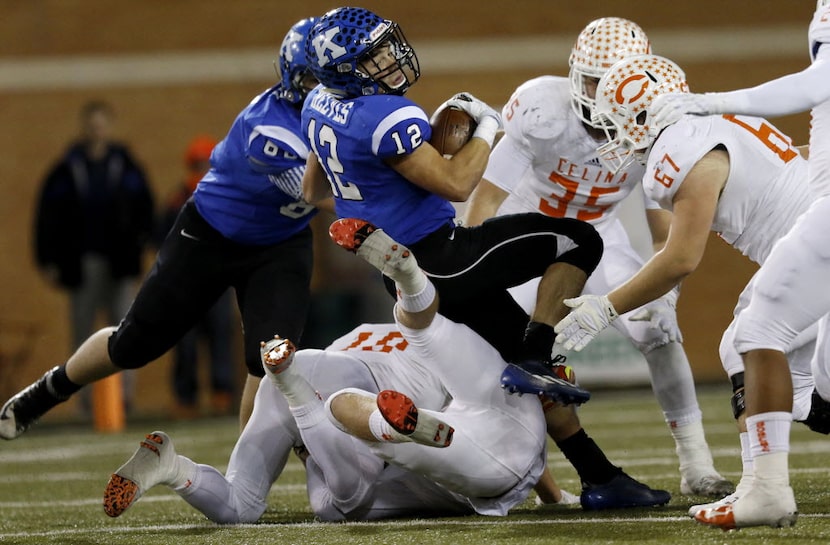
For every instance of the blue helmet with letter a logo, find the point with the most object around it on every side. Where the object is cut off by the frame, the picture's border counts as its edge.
(355, 52)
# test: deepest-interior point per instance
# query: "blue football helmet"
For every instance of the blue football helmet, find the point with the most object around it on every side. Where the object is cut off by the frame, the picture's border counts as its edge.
(347, 52)
(293, 68)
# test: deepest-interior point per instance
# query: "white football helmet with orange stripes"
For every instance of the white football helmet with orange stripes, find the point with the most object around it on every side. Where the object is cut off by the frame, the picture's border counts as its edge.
(600, 44)
(624, 95)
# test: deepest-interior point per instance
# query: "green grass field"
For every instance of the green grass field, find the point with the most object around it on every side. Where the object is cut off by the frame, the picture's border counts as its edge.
(52, 480)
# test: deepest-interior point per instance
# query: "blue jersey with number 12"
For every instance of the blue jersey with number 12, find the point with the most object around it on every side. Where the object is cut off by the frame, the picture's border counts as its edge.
(351, 138)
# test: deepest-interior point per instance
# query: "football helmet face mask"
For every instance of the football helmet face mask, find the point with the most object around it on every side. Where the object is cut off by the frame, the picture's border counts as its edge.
(624, 95)
(355, 52)
(600, 44)
(295, 78)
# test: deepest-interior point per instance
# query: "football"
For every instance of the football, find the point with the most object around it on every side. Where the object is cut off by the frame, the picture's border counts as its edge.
(451, 130)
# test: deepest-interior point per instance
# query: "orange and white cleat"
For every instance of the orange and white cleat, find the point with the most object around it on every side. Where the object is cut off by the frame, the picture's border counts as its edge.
(375, 246)
(349, 233)
(763, 505)
(276, 354)
(154, 462)
(423, 427)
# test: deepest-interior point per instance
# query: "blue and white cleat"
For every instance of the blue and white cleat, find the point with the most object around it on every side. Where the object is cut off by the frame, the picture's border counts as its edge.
(621, 492)
(529, 377)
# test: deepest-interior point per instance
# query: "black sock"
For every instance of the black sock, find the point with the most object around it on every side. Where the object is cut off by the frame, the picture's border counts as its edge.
(588, 459)
(60, 385)
(538, 341)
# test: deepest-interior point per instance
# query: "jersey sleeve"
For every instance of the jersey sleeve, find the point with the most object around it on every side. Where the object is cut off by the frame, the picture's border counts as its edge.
(273, 149)
(529, 122)
(675, 152)
(508, 162)
(398, 127)
(528, 114)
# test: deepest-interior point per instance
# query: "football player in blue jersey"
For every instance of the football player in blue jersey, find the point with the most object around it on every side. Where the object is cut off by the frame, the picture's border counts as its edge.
(246, 226)
(370, 150)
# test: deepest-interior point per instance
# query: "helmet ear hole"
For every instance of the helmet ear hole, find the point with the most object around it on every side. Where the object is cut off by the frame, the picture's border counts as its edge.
(641, 118)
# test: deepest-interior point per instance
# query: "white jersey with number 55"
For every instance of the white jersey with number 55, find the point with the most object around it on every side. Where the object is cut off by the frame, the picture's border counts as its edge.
(547, 161)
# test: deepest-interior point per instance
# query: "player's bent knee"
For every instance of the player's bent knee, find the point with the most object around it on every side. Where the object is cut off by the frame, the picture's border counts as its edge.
(588, 251)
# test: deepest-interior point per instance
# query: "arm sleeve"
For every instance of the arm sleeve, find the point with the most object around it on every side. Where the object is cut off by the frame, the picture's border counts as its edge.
(786, 95)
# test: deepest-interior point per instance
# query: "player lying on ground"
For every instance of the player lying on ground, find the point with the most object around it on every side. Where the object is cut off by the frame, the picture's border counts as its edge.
(441, 421)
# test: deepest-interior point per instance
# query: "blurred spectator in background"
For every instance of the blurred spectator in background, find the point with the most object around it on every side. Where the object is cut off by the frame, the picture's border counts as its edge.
(93, 220)
(215, 328)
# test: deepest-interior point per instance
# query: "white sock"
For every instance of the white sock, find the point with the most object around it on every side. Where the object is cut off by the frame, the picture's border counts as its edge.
(418, 301)
(186, 470)
(309, 414)
(381, 429)
(768, 433)
(294, 387)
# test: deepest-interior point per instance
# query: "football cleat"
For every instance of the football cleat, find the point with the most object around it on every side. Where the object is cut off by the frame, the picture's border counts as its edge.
(621, 492)
(530, 377)
(27, 406)
(762, 505)
(276, 354)
(411, 424)
(727, 500)
(375, 246)
(712, 485)
(154, 462)
(349, 233)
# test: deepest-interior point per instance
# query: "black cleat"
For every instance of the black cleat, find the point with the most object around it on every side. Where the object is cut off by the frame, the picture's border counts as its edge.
(25, 407)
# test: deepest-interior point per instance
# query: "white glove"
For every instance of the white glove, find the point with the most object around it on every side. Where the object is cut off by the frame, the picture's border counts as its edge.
(661, 315)
(670, 107)
(487, 119)
(590, 315)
